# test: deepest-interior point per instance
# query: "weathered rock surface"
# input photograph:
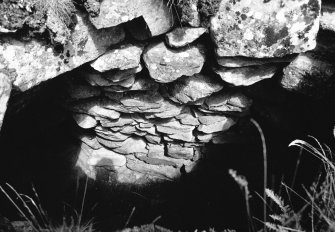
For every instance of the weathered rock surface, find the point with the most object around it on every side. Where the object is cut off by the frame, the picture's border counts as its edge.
(182, 36)
(217, 123)
(124, 57)
(246, 76)
(193, 88)
(265, 28)
(85, 121)
(29, 63)
(189, 13)
(179, 152)
(5, 89)
(166, 65)
(156, 14)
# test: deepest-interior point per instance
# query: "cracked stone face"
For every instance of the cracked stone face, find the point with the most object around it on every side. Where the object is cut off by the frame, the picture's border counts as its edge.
(260, 28)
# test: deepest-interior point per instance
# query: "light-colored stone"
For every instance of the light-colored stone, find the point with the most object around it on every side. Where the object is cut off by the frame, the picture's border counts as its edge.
(5, 89)
(183, 36)
(126, 56)
(85, 121)
(32, 62)
(156, 14)
(166, 65)
(164, 172)
(132, 145)
(193, 88)
(179, 152)
(95, 108)
(265, 28)
(105, 157)
(246, 76)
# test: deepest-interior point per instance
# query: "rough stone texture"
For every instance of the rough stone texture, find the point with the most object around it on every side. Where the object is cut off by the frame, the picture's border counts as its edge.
(179, 152)
(327, 21)
(156, 14)
(212, 124)
(182, 36)
(193, 88)
(29, 63)
(265, 28)
(189, 12)
(166, 65)
(246, 76)
(124, 57)
(5, 89)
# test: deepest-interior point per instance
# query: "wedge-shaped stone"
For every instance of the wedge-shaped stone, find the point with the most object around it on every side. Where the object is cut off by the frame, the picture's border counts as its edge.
(246, 76)
(261, 28)
(126, 56)
(166, 65)
(183, 36)
(110, 135)
(193, 88)
(187, 117)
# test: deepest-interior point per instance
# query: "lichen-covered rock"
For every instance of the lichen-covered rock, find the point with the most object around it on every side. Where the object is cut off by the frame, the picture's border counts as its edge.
(265, 28)
(5, 89)
(246, 76)
(166, 65)
(193, 88)
(189, 12)
(182, 36)
(31, 62)
(124, 57)
(156, 14)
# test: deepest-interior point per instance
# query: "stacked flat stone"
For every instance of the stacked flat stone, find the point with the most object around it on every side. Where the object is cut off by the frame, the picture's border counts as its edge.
(150, 119)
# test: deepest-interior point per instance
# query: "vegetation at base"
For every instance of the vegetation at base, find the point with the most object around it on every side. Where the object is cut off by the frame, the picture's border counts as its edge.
(317, 212)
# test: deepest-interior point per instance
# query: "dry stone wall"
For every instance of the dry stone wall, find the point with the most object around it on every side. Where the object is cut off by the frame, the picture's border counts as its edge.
(157, 82)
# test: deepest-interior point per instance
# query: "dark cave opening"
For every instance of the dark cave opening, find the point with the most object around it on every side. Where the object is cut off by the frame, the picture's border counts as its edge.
(38, 148)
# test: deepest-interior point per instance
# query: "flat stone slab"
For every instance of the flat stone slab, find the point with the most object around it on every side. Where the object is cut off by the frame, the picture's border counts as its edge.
(241, 61)
(246, 76)
(126, 56)
(166, 65)
(183, 36)
(193, 88)
(261, 28)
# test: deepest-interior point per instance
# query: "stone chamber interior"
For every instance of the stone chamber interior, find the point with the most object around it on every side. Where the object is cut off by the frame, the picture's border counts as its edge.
(39, 147)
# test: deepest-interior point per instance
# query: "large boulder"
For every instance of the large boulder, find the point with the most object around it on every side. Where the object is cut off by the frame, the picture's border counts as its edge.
(265, 28)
